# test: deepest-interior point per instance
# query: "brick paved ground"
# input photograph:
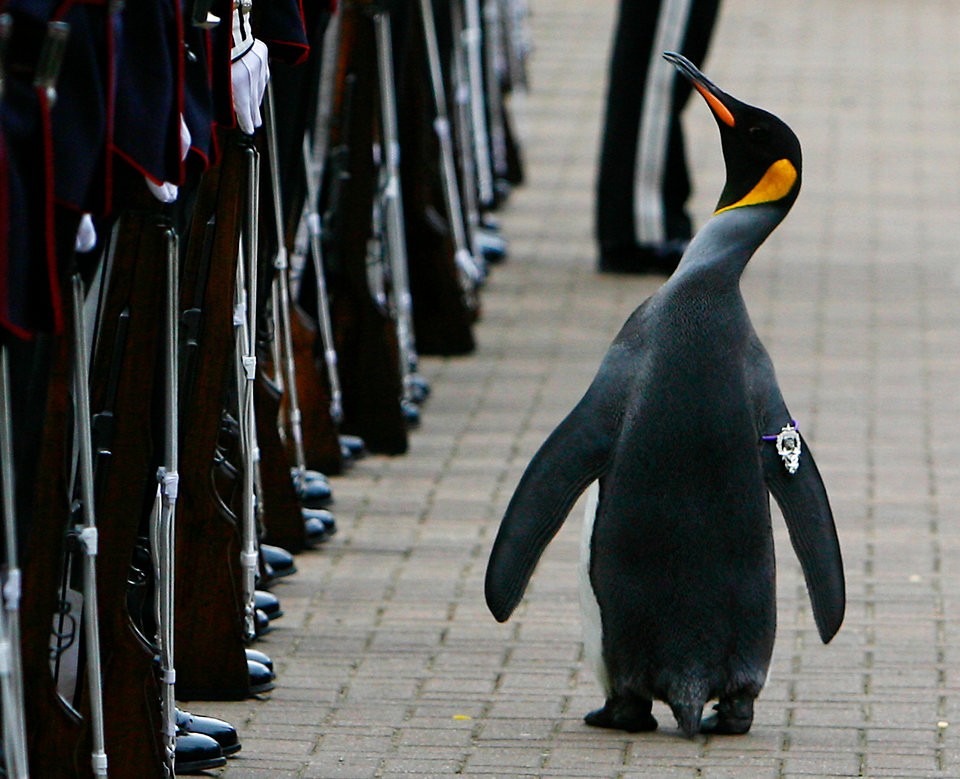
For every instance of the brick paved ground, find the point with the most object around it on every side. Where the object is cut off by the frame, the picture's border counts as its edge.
(389, 664)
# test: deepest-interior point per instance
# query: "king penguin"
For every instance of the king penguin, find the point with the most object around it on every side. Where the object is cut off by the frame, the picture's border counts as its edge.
(686, 432)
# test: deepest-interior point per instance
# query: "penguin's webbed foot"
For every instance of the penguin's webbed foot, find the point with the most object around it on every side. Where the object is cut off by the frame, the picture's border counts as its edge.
(631, 714)
(731, 717)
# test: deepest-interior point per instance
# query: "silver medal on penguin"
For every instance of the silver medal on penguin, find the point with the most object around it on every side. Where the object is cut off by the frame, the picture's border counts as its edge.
(788, 447)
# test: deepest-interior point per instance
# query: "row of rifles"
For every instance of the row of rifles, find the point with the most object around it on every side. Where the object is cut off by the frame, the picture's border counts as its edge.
(224, 354)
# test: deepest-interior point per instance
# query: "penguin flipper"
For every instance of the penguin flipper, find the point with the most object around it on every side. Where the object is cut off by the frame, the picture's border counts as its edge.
(803, 501)
(575, 454)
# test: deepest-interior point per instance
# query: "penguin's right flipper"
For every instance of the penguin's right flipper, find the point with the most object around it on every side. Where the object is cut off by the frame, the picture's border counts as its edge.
(576, 453)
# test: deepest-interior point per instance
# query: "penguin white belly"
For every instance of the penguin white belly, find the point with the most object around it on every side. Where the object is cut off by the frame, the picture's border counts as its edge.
(592, 625)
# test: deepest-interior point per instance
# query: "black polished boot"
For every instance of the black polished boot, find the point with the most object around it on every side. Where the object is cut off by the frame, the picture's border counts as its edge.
(260, 657)
(195, 753)
(279, 561)
(352, 447)
(219, 730)
(268, 603)
(261, 623)
(411, 413)
(325, 518)
(261, 677)
(314, 528)
(313, 490)
(419, 389)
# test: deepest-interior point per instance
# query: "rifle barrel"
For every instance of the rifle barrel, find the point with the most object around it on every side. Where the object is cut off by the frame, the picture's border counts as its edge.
(88, 533)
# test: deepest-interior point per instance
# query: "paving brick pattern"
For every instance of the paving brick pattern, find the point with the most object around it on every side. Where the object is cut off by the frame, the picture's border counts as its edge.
(389, 664)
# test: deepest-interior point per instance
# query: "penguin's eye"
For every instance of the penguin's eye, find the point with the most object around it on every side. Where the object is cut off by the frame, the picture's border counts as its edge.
(759, 133)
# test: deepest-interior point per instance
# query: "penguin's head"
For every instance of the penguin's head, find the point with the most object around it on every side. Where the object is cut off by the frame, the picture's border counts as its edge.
(761, 153)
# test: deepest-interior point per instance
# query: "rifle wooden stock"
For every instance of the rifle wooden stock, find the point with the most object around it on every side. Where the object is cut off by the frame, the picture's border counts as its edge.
(56, 742)
(321, 435)
(208, 637)
(366, 337)
(283, 518)
(125, 476)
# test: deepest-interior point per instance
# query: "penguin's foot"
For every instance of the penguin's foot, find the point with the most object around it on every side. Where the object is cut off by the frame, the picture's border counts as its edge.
(631, 714)
(732, 717)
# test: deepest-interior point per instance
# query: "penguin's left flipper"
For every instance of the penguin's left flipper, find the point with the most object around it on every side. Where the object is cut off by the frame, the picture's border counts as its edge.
(803, 501)
(575, 454)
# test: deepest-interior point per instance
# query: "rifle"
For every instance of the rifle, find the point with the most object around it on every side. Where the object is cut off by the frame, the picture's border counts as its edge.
(245, 350)
(415, 388)
(284, 362)
(11, 674)
(283, 518)
(494, 72)
(60, 742)
(55, 732)
(366, 336)
(285, 524)
(320, 390)
(507, 47)
(443, 273)
(471, 36)
(321, 434)
(476, 181)
(517, 33)
(163, 517)
(209, 628)
(88, 533)
(125, 361)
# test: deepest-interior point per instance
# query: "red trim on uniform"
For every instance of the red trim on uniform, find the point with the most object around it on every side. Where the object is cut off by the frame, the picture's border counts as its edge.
(215, 151)
(61, 11)
(53, 276)
(303, 25)
(61, 203)
(288, 46)
(202, 155)
(214, 157)
(19, 332)
(134, 164)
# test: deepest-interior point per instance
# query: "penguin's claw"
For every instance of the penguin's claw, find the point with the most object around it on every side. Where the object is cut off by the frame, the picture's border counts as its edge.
(619, 715)
(729, 719)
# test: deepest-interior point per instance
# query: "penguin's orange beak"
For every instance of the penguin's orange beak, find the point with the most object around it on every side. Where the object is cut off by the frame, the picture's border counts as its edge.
(714, 96)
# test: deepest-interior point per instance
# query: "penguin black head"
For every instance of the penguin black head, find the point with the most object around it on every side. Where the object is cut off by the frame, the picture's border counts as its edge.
(761, 153)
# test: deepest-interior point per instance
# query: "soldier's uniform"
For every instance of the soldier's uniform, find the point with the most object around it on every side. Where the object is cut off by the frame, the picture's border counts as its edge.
(29, 287)
(643, 183)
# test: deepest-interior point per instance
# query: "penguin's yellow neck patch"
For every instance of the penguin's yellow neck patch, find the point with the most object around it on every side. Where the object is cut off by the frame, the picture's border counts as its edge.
(776, 182)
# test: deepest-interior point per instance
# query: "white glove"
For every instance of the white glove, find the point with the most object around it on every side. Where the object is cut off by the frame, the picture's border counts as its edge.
(249, 75)
(167, 192)
(86, 235)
